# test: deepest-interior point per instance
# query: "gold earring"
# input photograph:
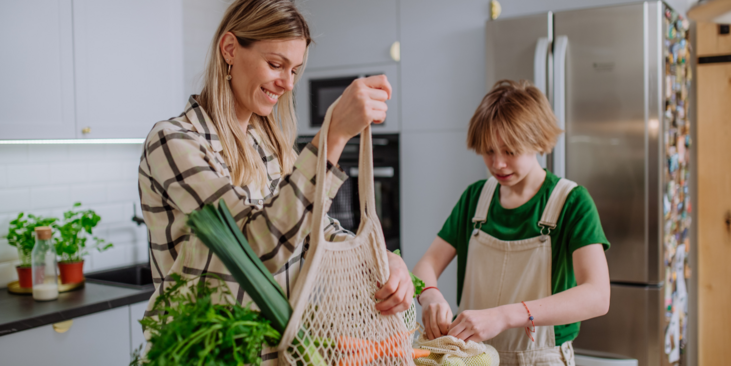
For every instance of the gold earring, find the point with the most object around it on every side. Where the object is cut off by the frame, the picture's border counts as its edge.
(228, 77)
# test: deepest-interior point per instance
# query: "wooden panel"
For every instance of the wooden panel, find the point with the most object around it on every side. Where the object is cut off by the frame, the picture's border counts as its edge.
(709, 42)
(714, 207)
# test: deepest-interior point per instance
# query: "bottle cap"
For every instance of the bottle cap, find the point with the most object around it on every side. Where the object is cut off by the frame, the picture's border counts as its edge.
(44, 232)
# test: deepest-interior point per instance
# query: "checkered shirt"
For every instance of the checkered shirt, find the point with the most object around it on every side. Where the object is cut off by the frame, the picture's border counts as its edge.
(182, 169)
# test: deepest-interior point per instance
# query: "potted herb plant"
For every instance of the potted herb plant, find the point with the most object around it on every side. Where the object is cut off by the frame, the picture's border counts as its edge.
(71, 242)
(20, 235)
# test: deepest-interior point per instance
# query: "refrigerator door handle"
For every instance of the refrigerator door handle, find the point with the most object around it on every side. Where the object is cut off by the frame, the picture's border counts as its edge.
(559, 103)
(540, 65)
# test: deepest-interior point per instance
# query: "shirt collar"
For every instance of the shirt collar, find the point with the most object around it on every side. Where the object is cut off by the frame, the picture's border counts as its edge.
(202, 123)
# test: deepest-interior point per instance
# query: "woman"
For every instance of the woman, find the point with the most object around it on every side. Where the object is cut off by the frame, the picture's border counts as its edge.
(235, 142)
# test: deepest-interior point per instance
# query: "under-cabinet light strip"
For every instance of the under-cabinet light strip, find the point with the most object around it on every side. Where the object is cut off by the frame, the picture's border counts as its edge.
(72, 142)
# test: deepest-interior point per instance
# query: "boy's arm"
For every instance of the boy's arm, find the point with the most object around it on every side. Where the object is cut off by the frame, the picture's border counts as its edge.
(589, 299)
(436, 313)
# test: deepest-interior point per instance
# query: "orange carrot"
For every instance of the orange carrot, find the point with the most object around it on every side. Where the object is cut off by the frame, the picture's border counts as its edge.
(418, 353)
(358, 358)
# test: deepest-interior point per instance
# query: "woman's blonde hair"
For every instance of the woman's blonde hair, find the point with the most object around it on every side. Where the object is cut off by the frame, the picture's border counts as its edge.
(517, 112)
(251, 21)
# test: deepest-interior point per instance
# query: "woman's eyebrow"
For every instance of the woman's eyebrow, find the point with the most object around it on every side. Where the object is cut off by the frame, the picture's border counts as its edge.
(283, 57)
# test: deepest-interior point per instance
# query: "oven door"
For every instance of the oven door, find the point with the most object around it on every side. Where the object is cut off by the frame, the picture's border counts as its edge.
(346, 207)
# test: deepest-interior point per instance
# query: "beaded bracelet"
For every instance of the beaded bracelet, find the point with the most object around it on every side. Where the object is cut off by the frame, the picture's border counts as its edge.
(528, 331)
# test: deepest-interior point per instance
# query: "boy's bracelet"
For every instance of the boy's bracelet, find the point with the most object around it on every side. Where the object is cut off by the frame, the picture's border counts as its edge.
(422, 291)
(528, 331)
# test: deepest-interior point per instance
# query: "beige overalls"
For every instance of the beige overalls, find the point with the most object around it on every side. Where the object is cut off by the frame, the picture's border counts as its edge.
(507, 272)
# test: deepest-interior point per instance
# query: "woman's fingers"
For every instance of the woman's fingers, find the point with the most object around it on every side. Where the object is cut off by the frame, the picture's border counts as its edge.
(377, 95)
(378, 82)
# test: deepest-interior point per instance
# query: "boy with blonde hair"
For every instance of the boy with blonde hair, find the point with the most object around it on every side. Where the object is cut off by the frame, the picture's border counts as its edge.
(529, 245)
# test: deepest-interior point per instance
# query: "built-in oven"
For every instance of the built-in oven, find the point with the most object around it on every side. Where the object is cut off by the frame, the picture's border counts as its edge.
(346, 207)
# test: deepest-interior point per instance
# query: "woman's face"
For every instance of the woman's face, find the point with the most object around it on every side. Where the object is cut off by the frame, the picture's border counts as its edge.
(261, 73)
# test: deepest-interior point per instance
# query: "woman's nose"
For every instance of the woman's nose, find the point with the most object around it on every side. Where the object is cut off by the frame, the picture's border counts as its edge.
(286, 81)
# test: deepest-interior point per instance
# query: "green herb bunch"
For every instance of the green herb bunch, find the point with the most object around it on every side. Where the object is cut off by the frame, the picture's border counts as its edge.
(71, 241)
(195, 331)
(418, 283)
(20, 235)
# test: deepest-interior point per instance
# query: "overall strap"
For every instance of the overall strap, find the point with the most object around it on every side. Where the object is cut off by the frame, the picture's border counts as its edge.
(483, 205)
(556, 202)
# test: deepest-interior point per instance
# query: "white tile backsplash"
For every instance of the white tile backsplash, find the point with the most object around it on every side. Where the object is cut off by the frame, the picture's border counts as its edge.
(47, 153)
(67, 173)
(53, 196)
(27, 175)
(13, 154)
(14, 200)
(47, 179)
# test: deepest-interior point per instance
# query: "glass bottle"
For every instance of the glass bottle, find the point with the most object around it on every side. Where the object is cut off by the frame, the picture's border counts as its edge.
(45, 275)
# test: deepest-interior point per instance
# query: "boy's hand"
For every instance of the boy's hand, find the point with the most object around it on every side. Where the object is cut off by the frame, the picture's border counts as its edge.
(435, 314)
(478, 325)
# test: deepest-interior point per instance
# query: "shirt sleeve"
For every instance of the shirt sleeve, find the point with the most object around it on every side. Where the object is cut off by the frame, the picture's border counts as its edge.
(585, 227)
(188, 175)
(454, 230)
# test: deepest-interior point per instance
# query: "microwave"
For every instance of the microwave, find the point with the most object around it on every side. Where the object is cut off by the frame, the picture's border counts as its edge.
(318, 89)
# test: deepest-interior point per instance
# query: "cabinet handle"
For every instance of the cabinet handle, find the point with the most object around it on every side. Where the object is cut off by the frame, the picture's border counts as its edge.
(396, 51)
(495, 9)
(63, 327)
(86, 130)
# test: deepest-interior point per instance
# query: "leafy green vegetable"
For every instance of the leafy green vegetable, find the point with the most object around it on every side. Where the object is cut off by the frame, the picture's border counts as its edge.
(20, 235)
(418, 283)
(71, 242)
(195, 331)
(217, 229)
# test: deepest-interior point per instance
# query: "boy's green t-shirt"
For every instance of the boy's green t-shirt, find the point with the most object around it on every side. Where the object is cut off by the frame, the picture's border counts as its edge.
(578, 226)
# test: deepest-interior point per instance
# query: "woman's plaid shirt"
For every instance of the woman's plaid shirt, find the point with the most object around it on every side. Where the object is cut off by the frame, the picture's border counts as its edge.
(182, 169)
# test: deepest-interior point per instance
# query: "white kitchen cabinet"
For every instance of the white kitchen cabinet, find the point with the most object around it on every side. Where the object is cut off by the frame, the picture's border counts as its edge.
(442, 63)
(97, 339)
(128, 63)
(136, 313)
(37, 73)
(350, 32)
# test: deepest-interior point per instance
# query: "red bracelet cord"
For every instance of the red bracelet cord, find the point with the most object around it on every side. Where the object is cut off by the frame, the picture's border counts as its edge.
(528, 331)
(422, 291)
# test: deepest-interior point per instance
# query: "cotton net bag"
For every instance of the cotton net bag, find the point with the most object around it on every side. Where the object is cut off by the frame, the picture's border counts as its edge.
(334, 319)
(452, 351)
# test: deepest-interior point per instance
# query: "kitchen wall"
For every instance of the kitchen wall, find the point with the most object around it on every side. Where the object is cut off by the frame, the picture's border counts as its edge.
(48, 179)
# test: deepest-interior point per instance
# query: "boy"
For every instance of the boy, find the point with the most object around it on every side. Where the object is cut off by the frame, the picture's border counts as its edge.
(529, 245)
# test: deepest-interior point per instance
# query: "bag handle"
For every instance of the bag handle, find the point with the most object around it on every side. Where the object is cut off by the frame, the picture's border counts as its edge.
(366, 191)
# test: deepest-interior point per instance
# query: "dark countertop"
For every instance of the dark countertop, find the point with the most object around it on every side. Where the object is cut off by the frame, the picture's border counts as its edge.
(21, 312)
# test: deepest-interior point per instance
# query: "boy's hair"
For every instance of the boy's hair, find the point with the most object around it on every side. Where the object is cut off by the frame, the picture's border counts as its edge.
(517, 112)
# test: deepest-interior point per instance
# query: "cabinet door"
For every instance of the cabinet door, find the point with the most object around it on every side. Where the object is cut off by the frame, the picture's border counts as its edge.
(442, 63)
(37, 75)
(97, 339)
(350, 32)
(129, 68)
(136, 313)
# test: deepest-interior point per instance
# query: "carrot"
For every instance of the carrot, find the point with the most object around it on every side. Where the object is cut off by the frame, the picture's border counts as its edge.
(350, 344)
(418, 353)
(358, 358)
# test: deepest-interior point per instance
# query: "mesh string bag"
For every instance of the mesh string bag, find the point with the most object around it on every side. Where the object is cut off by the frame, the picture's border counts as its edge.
(334, 319)
(451, 351)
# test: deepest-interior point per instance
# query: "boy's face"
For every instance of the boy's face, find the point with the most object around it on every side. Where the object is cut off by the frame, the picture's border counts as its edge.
(508, 167)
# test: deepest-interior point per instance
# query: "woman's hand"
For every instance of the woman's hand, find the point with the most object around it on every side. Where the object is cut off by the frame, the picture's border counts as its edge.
(435, 313)
(478, 325)
(398, 290)
(362, 102)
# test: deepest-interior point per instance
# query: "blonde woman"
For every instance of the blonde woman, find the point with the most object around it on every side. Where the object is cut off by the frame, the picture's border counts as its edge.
(235, 142)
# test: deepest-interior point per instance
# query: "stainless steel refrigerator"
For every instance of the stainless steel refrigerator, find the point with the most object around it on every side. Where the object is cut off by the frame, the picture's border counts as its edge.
(619, 79)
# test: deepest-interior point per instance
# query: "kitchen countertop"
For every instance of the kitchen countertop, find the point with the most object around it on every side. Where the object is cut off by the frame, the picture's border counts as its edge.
(21, 312)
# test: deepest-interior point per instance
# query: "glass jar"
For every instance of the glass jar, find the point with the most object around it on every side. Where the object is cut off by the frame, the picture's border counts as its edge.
(45, 275)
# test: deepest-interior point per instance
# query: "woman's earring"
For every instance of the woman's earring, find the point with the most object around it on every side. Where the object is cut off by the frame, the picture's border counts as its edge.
(228, 77)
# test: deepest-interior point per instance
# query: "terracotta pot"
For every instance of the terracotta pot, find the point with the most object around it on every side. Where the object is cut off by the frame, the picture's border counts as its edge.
(72, 272)
(25, 276)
